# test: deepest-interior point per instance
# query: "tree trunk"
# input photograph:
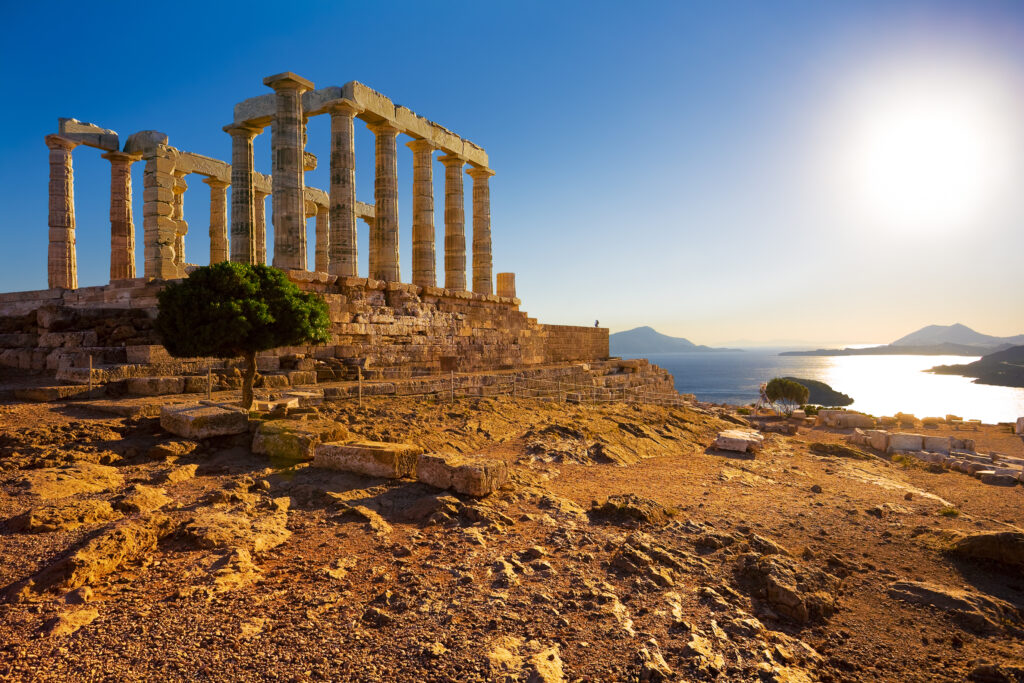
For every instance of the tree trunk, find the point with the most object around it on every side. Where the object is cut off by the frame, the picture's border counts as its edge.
(248, 379)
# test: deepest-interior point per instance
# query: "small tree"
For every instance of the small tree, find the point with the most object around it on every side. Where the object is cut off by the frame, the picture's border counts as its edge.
(786, 393)
(228, 310)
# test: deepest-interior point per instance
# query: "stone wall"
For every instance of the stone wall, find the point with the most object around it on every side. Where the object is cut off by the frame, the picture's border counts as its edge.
(569, 343)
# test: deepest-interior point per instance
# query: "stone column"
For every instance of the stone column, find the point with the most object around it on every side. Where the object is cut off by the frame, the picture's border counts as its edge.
(180, 186)
(218, 220)
(454, 224)
(159, 228)
(260, 227)
(507, 284)
(343, 255)
(287, 136)
(482, 282)
(323, 239)
(424, 258)
(243, 211)
(122, 229)
(62, 264)
(384, 234)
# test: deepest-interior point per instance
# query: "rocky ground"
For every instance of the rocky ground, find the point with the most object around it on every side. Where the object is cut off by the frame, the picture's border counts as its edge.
(623, 549)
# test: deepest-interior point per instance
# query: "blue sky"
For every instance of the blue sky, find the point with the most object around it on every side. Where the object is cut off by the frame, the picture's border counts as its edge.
(656, 163)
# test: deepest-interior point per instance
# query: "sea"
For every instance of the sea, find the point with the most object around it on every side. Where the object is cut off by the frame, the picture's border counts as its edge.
(879, 385)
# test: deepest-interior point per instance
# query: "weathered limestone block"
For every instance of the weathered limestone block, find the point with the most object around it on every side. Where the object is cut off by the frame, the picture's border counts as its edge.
(160, 229)
(295, 440)
(369, 458)
(938, 444)
(739, 440)
(88, 134)
(203, 421)
(454, 224)
(473, 476)
(507, 285)
(145, 142)
(155, 386)
(848, 420)
(1019, 427)
(878, 439)
(902, 441)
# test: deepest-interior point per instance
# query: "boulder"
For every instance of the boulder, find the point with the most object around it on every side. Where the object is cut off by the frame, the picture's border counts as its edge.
(902, 441)
(471, 475)
(974, 610)
(1006, 547)
(369, 458)
(295, 440)
(995, 479)
(848, 420)
(1019, 428)
(739, 440)
(203, 421)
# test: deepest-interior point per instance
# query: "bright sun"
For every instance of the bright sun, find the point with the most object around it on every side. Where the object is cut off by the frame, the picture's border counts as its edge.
(926, 150)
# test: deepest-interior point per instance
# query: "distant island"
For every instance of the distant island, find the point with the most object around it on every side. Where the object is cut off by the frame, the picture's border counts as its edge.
(933, 340)
(641, 340)
(822, 394)
(1003, 368)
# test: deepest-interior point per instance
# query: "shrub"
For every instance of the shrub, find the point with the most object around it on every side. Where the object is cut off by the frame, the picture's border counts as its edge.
(786, 394)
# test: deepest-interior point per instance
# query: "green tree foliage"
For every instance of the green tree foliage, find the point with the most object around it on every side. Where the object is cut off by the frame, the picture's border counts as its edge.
(228, 310)
(786, 393)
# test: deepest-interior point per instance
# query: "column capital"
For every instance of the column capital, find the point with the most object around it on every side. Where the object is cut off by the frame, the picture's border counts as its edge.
(216, 183)
(288, 81)
(126, 157)
(421, 145)
(343, 107)
(58, 142)
(383, 128)
(479, 172)
(452, 160)
(242, 130)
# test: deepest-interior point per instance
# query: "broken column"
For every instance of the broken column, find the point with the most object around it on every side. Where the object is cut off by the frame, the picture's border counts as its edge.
(482, 283)
(180, 186)
(243, 194)
(507, 284)
(218, 220)
(384, 235)
(323, 239)
(122, 229)
(424, 259)
(260, 227)
(160, 230)
(454, 224)
(342, 256)
(288, 179)
(62, 266)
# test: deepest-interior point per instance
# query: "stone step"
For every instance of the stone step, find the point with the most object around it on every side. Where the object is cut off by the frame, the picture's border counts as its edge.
(369, 458)
(58, 393)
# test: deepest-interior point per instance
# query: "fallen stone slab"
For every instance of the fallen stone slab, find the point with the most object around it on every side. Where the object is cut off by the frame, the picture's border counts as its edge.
(275, 404)
(901, 441)
(999, 479)
(847, 420)
(154, 386)
(369, 458)
(295, 439)
(938, 444)
(739, 440)
(203, 421)
(471, 475)
(877, 439)
(58, 393)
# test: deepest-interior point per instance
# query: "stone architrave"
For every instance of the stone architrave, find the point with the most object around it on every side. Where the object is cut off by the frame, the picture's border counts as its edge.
(180, 186)
(218, 220)
(260, 227)
(343, 252)
(62, 264)
(482, 268)
(384, 235)
(424, 257)
(122, 229)
(160, 230)
(287, 136)
(507, 285)
(454, 224)
(243, 195)
(323, 239)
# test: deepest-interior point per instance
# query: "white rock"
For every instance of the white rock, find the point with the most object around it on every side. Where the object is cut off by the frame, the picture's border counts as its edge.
(473, 476)
(739, 440)
(901, 441)
(203, 421)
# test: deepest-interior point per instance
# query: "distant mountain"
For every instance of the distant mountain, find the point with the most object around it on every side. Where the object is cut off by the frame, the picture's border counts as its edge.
(641, 340)
(933, 340)
(1003, 368)
(955, 334)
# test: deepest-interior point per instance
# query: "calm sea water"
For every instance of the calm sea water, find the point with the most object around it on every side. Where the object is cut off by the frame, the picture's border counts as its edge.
(879, 385)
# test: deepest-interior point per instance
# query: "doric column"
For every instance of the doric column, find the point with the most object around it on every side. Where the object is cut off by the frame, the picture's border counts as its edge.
(122, 229)
(507, 284)
(323, 239)
(260, 227)
(62, 264)
(384, 235)
(180, 186)
(160, 230)
(454, 224)
(243, 210)
(218, 220)
(287, 136)
(482, 282)
(343, 255)
(424, 259)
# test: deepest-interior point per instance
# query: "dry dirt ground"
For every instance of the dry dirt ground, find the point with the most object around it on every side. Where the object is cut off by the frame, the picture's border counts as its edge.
(623, 549)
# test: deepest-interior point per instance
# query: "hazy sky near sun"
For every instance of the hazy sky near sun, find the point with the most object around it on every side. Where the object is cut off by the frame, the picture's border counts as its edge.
(731, 172)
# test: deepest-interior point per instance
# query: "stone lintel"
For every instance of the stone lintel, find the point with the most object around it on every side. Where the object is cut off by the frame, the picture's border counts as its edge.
(316, 195)
(365, 211)
(288, 81)
(88, 134)
(190, 162)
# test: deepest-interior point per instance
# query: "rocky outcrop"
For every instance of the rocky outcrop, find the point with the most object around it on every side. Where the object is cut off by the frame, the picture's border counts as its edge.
(971, 609)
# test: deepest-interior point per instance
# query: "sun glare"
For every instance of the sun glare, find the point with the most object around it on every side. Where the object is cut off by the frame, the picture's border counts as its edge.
(927, 150)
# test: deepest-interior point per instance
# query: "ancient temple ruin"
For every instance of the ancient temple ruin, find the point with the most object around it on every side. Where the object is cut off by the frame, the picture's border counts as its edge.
(384, 326)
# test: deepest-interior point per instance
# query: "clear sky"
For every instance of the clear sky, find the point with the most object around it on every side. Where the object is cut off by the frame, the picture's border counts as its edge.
(731, 172)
